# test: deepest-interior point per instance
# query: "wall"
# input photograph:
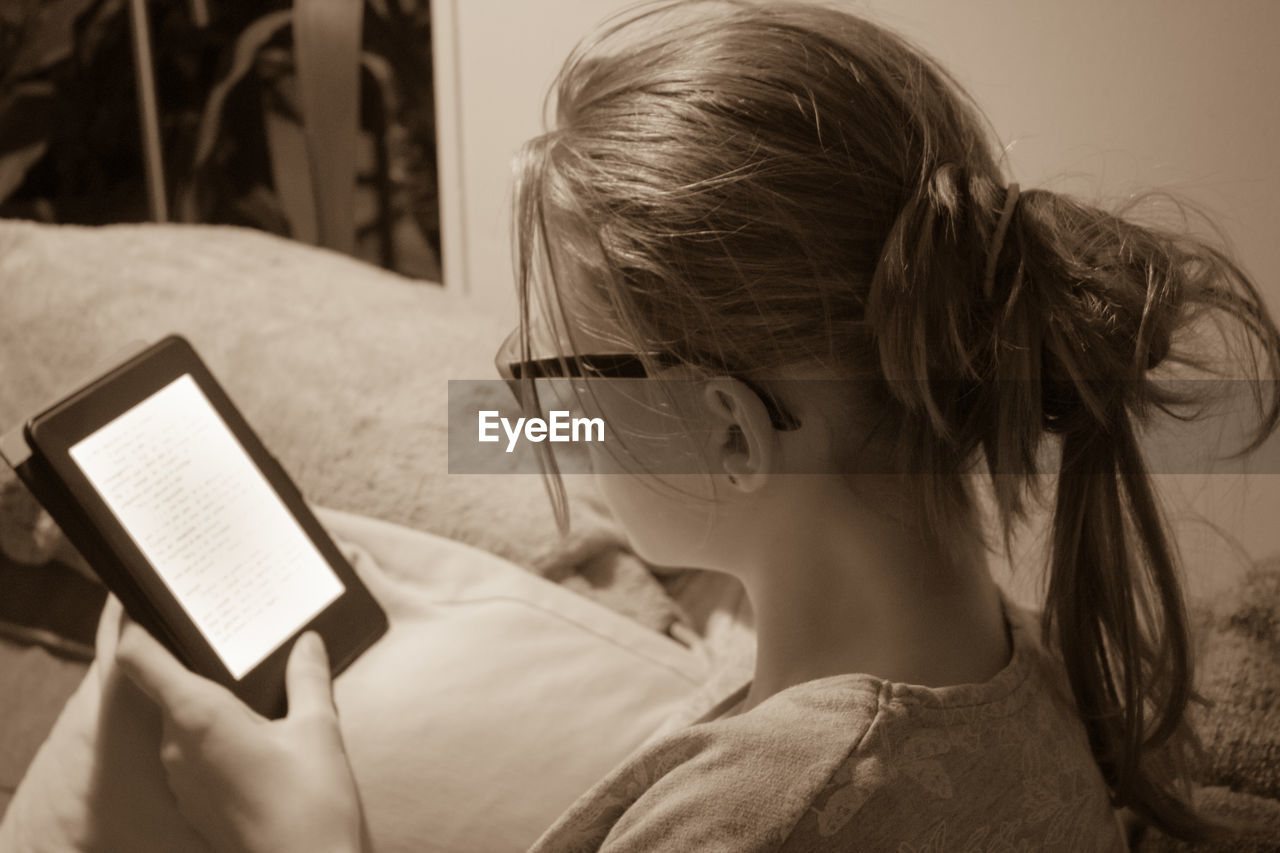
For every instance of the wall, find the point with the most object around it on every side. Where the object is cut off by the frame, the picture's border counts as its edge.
(1095, 96)
(501, 57)
(1090, 96)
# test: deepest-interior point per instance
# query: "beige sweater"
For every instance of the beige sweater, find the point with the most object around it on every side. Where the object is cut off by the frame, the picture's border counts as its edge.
(852, 762)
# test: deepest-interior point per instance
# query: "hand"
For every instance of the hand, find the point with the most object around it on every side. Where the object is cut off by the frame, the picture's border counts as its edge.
(243, 782)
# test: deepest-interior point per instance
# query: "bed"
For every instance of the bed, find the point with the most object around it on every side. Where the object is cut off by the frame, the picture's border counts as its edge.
(343, 370)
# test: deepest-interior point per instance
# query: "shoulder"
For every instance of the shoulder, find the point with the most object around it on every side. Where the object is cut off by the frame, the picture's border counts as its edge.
(853, 762)
(738, 784)
(1005, 764)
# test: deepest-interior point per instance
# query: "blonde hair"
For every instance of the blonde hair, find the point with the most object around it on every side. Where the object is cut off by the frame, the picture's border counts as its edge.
(753, 185)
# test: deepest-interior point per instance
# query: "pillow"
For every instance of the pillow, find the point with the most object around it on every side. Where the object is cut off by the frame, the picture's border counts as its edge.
(341, 368)
(493, 701)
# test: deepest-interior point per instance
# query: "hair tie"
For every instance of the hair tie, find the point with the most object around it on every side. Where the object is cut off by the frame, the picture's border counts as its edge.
(997, 239)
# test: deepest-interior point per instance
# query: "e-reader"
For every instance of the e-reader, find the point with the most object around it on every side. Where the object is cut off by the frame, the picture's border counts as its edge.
(158, 480)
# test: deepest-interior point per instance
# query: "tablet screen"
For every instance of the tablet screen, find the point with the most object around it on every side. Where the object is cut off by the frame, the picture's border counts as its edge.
(205, 517)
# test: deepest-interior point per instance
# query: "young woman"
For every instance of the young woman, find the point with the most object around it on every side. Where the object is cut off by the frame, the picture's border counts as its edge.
(799, 220)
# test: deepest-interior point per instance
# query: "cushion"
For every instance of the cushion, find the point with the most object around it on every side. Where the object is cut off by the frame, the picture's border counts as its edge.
(493, 701)
(343, 369)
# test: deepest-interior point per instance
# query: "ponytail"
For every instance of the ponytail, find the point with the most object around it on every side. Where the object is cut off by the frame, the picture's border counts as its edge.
(1111, 296)
(1054, 332)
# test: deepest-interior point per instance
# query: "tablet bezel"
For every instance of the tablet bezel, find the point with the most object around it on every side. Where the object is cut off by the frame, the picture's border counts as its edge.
(349, 624)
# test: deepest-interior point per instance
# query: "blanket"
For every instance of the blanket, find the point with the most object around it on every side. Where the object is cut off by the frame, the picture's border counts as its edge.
(1239, 676)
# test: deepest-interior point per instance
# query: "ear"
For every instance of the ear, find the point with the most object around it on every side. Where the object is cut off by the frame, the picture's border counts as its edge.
(741, 444)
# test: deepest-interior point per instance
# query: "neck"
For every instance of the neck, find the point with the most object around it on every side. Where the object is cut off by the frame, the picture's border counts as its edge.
(843, 591)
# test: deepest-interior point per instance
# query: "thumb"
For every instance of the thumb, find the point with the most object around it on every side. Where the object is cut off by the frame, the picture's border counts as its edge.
(306, 677)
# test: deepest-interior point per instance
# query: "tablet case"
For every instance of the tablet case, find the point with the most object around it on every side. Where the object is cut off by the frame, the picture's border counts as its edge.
(47, 488)
(46, 485)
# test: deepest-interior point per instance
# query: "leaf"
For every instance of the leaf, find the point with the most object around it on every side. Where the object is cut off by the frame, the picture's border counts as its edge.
(13, 19)
(25, 114)
(50, 38)
(931, 775)
(247, 46)
(287, 148)
(326, 37)
(97, 30)
(260, 208)
(841, 807)
(14, 166)
(13, 12)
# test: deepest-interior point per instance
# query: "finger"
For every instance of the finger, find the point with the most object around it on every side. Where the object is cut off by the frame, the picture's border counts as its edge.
(179, 692)
(307, 681)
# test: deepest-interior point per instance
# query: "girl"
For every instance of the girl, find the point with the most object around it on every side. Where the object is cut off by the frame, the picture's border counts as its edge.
(749, 198)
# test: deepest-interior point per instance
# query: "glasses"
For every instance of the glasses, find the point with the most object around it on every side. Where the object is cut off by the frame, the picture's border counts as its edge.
(519, 372)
